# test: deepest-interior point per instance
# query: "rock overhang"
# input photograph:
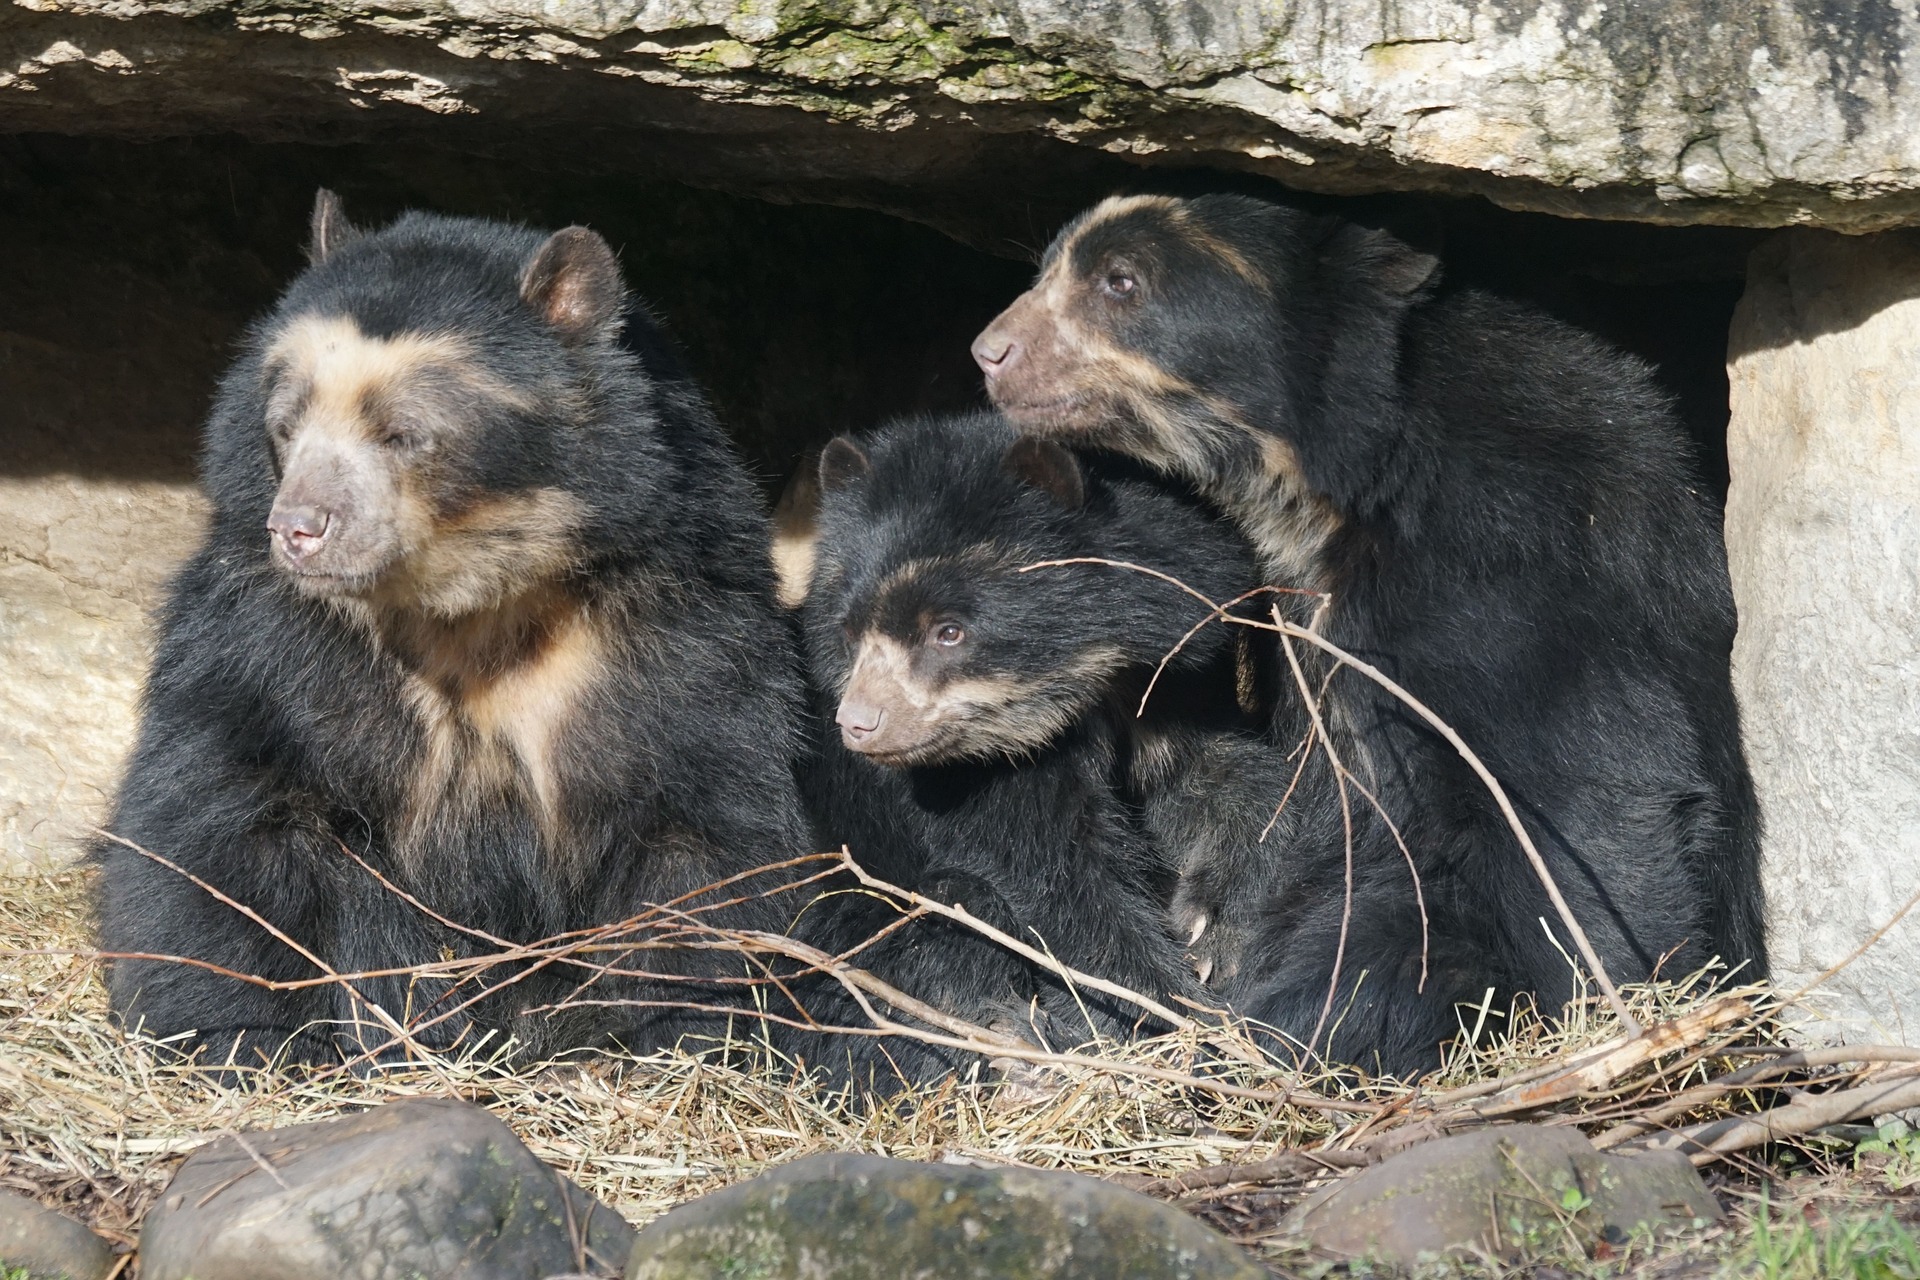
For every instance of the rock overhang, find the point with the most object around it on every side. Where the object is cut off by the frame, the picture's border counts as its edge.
(1718, 112)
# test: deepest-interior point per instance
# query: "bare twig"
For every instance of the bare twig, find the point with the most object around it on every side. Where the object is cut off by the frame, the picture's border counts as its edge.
(959, 1034)
(1493, 786)
(1346, 822)
(961, 916)
(1858, 951)
(1602, 1070)
(1748, 1077)
(1441, 727)
(354, 994)
(1715, 1139)
(1213, 615)
(1287, 1166)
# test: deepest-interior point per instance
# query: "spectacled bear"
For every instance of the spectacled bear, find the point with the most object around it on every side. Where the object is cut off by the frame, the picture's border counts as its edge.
(484, 602)
(1505, 516)
(986, 743)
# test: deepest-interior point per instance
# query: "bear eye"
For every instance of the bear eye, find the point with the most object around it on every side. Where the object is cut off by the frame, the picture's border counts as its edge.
(949, 634)
(1119, 284)
(397, 433)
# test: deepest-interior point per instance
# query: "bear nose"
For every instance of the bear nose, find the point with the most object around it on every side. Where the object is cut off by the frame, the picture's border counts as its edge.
(300, 530)
(995, 354)
(858, 721)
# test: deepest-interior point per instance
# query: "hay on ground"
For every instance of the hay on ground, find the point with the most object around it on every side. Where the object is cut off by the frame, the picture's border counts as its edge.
(94, 1121)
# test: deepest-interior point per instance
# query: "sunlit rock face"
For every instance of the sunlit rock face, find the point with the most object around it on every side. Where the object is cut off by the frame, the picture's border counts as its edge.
(1823, 537)
(1711, 111)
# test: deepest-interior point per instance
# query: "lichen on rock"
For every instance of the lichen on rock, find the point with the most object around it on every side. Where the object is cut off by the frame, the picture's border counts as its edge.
(1696, 111)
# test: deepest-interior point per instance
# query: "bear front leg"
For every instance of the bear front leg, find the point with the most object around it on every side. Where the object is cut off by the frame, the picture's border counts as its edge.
(1215, 822)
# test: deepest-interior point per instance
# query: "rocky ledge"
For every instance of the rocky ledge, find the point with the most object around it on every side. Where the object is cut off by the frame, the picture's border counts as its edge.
(1692, 111)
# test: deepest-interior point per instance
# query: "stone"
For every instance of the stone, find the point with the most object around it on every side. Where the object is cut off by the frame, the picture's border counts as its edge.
(1688, 111)
(103, 379)
(1495, 1189)
(854, 1217)
(48, 1245)
(82, 561)
(424, 1187)
(1823, 541)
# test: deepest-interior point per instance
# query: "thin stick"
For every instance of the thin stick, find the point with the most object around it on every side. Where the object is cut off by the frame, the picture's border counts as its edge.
(1747, 1077)
(375, 1011)
(1346, 822)
(1379, 677)
(972, 1038)
(1306, 756)
(1419, 894)
(1705, 1143)
(1284, 1167)
(961, 916)
(1217, 612)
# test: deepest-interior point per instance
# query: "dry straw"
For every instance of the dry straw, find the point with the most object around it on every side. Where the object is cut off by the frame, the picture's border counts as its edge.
(95, 1120)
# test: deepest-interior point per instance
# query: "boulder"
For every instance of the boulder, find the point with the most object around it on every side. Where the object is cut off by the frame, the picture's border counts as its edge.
(1823, 539)
(104, 377)
(424, 1187)
(82, 562)
(856, 1217)
(1685, 111)
(1497, 1189)
(47, 1245)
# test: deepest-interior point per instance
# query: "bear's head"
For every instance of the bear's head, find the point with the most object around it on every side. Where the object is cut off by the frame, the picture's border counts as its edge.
(939, 613)
(416, 396)
(1196, 334)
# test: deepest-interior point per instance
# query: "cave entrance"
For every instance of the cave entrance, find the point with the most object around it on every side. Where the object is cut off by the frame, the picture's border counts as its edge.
(131, 268)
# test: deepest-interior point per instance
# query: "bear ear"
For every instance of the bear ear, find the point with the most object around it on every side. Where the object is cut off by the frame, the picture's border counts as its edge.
(328, 229)
(1383, 258)
(841, 463)
(574, 284)
(1049, 467)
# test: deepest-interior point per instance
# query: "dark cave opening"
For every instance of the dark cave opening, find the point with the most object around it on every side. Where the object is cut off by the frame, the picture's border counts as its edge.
(129, 269)
(132, 266)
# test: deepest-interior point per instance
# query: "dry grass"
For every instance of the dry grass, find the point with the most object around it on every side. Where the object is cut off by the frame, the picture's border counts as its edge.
(95, 1123)
(91, 1120)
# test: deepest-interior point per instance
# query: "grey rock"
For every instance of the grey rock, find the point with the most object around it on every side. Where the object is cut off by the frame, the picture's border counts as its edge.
(82, 558)
(48, 1245)
(1823, 541)
(1495, 1188)
(97, 507)
(852, 1217)
(425, 1187)
(1683, 111)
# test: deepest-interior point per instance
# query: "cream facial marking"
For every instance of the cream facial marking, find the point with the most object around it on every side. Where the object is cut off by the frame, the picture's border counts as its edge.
(330, 373)
(354, 517)
(1178, 218)
(483, 557)
(891, 713)
(495, 710)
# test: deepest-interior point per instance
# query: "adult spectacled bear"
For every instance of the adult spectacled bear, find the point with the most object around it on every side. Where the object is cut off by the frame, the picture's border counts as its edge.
(1504, 515)
(485, 604)
(984, 740)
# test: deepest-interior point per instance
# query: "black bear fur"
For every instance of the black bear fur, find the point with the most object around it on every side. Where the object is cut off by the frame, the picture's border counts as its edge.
(1031, 804)
(1507, 520)
(280, 727)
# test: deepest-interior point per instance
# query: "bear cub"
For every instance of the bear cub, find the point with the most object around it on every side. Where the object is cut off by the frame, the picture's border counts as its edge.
(983, 738)
(484, 604)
